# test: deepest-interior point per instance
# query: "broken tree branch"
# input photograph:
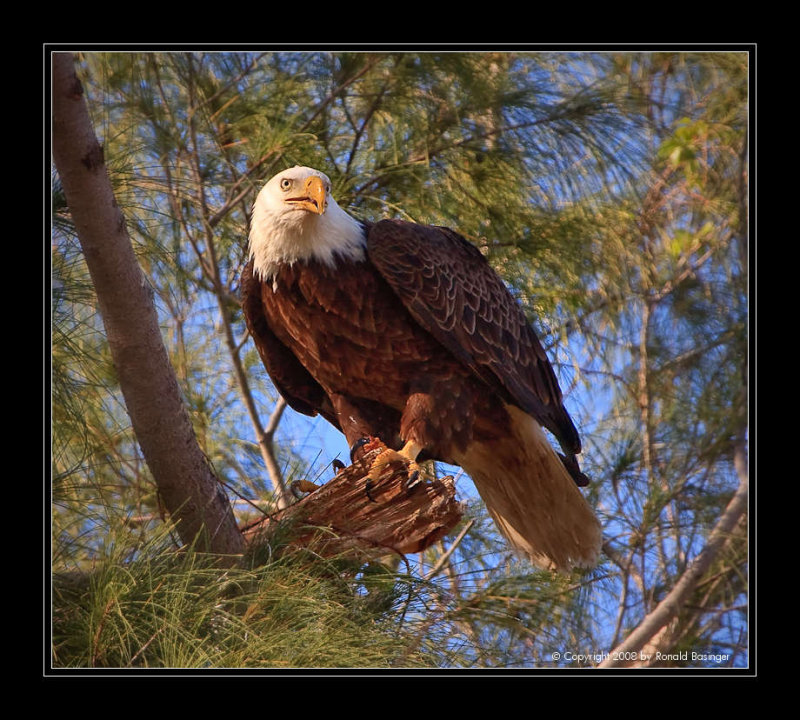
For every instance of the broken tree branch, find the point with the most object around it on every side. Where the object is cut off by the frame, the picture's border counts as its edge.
(371, 518)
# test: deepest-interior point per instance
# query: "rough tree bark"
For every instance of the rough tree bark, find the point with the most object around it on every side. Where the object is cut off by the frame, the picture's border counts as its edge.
(187, 485)
(351, 514)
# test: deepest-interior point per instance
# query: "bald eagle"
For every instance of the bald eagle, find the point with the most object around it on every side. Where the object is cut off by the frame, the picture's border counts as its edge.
(403, 332)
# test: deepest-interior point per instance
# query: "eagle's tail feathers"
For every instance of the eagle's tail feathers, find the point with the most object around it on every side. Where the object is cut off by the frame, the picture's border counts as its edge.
(533, 499)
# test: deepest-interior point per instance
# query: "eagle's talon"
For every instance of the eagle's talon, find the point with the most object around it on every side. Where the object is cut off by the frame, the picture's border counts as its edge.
(407, 456)
(368, 491)
(356, 447)
(414, 479)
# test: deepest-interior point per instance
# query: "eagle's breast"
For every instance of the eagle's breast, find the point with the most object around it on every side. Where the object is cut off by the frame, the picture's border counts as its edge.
(349, 330)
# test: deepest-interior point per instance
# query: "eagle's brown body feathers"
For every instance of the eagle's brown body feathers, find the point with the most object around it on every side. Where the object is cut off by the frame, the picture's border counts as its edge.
(359, 358)
(421, 341)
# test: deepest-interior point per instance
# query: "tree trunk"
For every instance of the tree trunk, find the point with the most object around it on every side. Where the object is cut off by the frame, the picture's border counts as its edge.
(363, 517)
(187, 485)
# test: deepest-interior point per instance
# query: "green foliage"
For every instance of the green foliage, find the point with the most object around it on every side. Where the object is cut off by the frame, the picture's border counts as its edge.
(153, 606)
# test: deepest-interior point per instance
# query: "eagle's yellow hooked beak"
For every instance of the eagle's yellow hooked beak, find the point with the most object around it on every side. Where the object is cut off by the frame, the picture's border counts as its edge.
(313, 196)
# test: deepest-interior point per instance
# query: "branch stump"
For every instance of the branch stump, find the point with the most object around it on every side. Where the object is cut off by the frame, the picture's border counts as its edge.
(353, 515)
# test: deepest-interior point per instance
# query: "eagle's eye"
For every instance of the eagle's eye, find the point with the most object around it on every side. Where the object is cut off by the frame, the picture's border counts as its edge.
(286, 183)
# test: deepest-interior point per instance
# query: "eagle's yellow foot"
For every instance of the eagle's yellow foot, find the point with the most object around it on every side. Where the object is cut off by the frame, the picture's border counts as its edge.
(298, 487)
(407, 456)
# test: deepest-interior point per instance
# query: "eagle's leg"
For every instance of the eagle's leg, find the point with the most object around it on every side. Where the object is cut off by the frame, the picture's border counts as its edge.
(407, 456)
(363, 420)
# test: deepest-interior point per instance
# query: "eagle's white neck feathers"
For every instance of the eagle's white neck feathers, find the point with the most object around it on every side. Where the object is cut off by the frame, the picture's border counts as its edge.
(283, 234)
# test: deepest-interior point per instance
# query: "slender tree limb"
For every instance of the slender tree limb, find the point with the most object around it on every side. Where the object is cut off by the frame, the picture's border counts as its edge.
(678, 628)
(368, 65)
(266, 443)
(445, 557)
(211, 269)
(186, 482)
(669, 607)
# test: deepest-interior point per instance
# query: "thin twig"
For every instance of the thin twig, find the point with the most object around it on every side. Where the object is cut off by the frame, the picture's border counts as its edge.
(440, 563)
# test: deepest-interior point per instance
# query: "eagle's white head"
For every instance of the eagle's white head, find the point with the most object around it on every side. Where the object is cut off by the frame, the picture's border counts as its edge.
(295, 218)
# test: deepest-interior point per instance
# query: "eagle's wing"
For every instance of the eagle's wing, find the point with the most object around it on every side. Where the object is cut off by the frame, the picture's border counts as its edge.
(300, 390)
(450, 289)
